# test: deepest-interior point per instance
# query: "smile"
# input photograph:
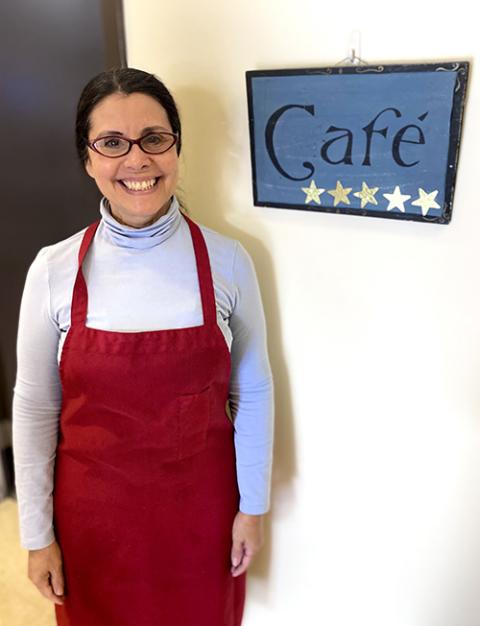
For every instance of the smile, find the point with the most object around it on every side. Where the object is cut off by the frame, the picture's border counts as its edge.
(137, 186)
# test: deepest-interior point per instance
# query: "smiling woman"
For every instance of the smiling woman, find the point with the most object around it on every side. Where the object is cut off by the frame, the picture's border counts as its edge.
(142, 499)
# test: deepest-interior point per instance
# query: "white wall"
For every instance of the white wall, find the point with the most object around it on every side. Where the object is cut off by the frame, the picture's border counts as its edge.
(374, 327)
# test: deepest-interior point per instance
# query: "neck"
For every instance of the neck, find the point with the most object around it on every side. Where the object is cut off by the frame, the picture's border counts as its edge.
(130, 236)
(140, 221)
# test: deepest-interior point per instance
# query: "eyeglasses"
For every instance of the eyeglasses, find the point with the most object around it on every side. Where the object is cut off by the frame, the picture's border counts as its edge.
(114, 146)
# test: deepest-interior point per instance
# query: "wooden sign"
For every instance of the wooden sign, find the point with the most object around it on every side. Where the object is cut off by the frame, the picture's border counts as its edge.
(381, 141)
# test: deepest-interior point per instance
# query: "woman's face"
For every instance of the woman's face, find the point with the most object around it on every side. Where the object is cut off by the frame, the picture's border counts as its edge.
(130, 116)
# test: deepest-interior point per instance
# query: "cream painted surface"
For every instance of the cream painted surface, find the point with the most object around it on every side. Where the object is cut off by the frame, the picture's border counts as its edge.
(373, 324)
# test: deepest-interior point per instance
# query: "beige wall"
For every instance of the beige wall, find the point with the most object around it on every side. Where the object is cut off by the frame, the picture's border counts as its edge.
(373, 324)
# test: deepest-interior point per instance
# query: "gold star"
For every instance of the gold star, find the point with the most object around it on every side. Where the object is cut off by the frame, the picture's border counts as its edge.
(366, 195)
(340, 194)
(426, 200)
(313, 193)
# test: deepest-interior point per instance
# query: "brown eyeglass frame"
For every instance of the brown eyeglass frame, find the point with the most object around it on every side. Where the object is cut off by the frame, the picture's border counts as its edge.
(91, 144)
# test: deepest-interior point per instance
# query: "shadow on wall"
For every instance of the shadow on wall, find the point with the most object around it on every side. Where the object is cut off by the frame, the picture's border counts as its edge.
(457, 602)
(206, 145)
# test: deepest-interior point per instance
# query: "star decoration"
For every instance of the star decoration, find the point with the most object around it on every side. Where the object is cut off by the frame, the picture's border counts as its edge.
(366, 195)
(426, 200)
(340, 194)
(313, 193)
(396, 200)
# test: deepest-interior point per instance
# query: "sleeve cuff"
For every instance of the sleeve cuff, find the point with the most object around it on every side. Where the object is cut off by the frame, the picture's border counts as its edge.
(37, 543)
(251, 509)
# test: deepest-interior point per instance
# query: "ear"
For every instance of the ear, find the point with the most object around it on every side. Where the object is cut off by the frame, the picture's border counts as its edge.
(88, 167)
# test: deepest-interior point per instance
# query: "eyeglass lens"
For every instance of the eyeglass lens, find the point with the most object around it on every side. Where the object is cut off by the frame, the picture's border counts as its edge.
(154, 143)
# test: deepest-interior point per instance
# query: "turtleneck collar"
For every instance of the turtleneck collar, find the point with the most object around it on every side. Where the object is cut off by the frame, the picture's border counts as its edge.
(147, 237)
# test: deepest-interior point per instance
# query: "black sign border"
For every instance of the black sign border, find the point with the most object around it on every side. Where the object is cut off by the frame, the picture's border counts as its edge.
(462, 70)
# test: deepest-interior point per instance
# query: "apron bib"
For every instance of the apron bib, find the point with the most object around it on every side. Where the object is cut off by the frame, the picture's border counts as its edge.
(145, 488)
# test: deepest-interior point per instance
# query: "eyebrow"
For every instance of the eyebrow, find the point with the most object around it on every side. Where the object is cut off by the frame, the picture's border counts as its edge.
(147, 129)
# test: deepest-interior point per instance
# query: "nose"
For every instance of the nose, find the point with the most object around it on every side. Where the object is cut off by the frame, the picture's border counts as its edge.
(137, 158)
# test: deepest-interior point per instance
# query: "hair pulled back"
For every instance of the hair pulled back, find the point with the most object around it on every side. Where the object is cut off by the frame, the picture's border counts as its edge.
(127, 81)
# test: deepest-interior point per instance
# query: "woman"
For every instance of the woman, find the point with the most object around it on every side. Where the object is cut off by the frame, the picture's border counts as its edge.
(141, 503)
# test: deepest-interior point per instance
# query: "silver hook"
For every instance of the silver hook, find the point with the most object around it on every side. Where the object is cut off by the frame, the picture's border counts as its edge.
(353, 58)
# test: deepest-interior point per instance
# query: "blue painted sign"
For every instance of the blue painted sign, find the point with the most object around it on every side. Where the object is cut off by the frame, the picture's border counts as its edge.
(381, 141)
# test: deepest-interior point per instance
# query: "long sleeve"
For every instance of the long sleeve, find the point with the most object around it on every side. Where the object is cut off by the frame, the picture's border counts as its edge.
(36, 407)
(251, 389)
(159, 269)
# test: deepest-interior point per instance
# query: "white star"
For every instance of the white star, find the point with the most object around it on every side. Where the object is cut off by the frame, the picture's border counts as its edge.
(396, 200)
(426, 200)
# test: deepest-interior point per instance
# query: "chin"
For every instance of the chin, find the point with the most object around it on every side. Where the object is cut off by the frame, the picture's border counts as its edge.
(139, 214)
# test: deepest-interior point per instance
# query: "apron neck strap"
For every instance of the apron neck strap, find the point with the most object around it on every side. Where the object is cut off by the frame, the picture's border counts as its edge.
(204, 273)
(78, 313)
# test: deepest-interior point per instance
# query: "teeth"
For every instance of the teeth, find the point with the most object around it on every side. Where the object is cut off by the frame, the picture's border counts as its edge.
(135, 185)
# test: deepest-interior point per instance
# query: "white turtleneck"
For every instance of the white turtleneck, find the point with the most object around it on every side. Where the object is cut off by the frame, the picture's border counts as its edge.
(137, 279)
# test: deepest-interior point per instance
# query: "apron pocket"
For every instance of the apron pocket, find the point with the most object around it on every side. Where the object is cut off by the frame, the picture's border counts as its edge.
(193, 420)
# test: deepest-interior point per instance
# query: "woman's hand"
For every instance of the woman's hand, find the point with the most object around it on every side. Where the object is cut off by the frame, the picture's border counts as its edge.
(247, 536)
(46, 572)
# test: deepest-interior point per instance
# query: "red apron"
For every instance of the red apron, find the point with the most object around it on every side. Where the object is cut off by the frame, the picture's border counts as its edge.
(145, 482)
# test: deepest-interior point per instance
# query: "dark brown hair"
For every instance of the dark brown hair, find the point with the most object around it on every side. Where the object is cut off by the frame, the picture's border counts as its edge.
(126, 80)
